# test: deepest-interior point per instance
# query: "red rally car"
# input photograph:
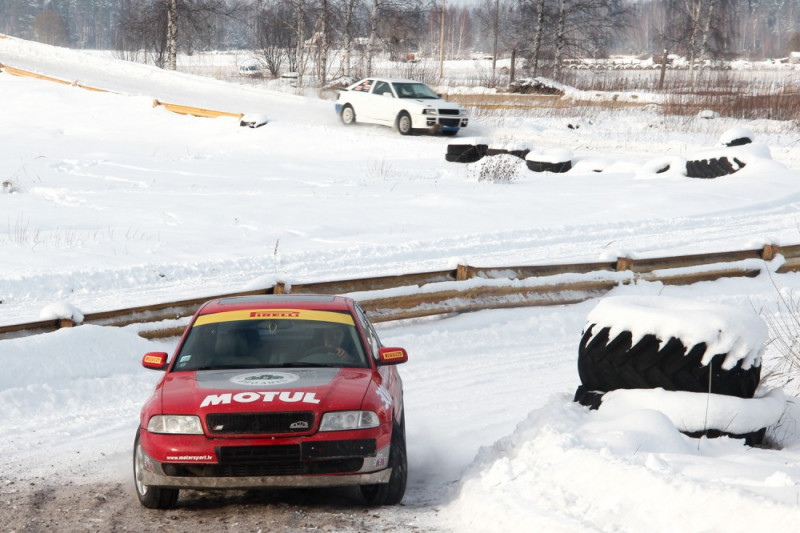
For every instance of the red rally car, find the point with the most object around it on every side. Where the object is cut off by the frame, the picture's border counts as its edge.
(274, 391)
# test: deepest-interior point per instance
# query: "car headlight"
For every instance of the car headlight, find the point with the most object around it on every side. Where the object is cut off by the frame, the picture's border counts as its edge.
(344, 420)
(176, 424)
(430, 111)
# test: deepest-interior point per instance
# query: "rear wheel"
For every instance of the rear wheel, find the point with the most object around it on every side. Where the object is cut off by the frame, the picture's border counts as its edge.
(391, 493)
(404, 123)
(149, 496)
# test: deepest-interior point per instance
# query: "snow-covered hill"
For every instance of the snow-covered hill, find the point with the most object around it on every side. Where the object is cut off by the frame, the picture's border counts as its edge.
(108, 202)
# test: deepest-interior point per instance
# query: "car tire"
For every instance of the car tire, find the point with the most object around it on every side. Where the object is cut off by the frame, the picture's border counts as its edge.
(149, 496)
(348, 115)
(608, 364)
(391, 493)
(404, 124)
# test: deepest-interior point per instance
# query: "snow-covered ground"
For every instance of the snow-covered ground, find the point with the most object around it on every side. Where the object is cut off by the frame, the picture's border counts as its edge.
(108, 202)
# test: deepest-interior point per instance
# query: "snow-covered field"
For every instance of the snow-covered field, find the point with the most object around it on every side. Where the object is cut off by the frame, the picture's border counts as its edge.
(108, 202)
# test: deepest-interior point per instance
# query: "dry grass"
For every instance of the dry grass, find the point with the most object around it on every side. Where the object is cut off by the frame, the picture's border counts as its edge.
(739, 95)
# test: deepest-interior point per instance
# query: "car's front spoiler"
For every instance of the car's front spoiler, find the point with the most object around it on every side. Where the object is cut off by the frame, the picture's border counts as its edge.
(159, 480)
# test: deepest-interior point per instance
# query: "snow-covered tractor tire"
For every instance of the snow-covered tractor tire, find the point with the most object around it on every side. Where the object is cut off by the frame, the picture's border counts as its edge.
(606, 364)
(465, 153)
(540, 166)
(712, 167)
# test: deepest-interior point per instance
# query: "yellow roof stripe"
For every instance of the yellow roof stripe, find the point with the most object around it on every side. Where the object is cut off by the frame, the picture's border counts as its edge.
(276, 314)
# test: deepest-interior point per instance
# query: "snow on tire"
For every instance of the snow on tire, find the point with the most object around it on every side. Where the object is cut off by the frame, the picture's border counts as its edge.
(467, 150)
(712, 167)
(674, 344)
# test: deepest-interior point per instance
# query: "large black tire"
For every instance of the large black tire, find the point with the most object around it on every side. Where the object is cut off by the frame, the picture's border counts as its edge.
(391, 493)
(348, 114)
(712, 167)
(149, 496)
(607, 364)
(539, 166)
(465, 153)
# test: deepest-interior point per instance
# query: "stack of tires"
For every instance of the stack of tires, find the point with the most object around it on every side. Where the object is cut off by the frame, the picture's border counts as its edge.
(556, 160)
(676, 345)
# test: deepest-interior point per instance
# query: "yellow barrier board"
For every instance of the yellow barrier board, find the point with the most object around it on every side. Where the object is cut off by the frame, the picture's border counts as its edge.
(195, 111)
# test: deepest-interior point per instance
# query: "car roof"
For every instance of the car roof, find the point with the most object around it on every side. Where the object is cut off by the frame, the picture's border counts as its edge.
(393, 80)
(324, 302)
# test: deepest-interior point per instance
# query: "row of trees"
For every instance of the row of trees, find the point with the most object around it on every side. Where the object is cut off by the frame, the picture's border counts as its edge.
(323, 38)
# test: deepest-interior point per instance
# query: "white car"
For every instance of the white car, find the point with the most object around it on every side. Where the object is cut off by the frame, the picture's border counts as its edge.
(407, 105)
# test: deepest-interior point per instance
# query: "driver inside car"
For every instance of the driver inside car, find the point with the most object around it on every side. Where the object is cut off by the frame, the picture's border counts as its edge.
(333, 341)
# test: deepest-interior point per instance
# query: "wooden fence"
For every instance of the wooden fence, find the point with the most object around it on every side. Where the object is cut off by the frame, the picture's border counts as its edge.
(465, 288)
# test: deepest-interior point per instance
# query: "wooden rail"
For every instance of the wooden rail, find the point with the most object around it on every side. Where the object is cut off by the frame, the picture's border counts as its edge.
(175, 108)
(465, 288)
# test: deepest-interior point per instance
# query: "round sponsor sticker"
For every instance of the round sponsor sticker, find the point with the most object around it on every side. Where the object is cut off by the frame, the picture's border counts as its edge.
(261, 379)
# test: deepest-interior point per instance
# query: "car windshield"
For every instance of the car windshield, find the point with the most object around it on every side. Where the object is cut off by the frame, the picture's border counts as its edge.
(414, 90)
(318, 339)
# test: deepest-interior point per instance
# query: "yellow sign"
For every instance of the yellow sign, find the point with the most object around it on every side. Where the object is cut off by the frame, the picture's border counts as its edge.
(276, 314)
(388, 356)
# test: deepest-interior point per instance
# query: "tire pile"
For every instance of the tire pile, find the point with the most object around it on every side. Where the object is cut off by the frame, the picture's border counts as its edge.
(473, 150)
(714, 167)
(674, 345)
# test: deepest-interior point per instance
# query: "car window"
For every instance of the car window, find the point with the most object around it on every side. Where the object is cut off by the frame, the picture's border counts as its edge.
(381, 87)
(372, 337)
(414, 90)
(364, 86)
(301, 338)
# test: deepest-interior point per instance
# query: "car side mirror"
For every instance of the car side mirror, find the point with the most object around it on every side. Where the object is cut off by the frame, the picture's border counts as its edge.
(155, 360)
(392, 356)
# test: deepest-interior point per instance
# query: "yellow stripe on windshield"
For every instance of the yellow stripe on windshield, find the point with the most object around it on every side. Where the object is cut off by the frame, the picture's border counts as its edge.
(276, 314)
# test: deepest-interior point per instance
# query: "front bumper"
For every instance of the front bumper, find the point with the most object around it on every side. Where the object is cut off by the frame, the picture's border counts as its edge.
(155, 479)
(194, 461)
(441, 122)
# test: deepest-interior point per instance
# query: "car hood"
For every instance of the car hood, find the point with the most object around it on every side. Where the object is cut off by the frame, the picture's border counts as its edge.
(427, 102)
(307, 389)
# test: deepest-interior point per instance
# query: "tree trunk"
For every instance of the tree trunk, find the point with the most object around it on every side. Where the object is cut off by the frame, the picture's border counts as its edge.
(172, 35)
(559, 44)
(323, 45)
(537, 41)
(373, 35)
(300, 13)
(348, 35)
(706, 30)
(496, 32)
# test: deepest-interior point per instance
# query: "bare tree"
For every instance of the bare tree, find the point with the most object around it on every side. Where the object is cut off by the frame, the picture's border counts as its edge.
(157, 25)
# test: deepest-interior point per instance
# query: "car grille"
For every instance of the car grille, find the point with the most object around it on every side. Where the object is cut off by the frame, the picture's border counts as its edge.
(453, 122)
(448, 112)
(323, 457)
(259, 423)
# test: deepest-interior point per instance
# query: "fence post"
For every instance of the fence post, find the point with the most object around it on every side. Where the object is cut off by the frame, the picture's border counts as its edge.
(279, 288)
(769, 252)
(624, 263)
(462, 272)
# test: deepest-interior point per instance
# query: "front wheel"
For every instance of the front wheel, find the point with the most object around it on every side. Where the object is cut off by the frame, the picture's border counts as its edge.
(391, 493)
(150, 497)
(404, 123)
(348, 114)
